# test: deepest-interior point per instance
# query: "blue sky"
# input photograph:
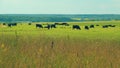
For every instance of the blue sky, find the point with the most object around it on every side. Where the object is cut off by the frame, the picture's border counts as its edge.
(59, 6)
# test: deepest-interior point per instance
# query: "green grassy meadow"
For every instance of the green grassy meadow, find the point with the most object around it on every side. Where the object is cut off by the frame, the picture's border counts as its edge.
(25, 46)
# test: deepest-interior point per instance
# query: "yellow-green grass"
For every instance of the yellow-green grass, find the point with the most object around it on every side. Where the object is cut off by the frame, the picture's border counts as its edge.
(25, 46)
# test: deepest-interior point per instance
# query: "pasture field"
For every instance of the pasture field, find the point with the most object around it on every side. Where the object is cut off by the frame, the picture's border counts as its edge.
(25, 46)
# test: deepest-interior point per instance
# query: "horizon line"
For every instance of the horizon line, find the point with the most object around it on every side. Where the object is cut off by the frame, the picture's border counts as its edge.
(61, 14)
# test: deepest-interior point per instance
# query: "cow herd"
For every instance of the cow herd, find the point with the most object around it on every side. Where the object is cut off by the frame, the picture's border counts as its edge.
(12, 24)
(77, 27)
(50, 26)
(91, 26)
(85, 27)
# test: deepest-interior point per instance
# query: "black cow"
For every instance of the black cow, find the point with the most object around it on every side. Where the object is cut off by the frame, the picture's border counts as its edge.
(91, 26)
(66, 24)
(105, 26)
(9, 25)
(50, 26)
(29, 23)
(57, 23)
(4, 23)
(109, 25)
(39, 26)
(86, 27)
(76, 27)
(113, 25)
(14, 24)
(97, 25)
(53, 26)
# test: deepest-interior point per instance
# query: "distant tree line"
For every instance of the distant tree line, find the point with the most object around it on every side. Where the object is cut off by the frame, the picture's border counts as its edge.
(55, 17)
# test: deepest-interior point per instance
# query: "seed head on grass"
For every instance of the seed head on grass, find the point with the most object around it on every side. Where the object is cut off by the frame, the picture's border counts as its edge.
(4, 49)
(2, 46)
(39, 51)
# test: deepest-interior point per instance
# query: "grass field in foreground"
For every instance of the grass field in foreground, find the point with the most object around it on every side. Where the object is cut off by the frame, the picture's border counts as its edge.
(25, 46)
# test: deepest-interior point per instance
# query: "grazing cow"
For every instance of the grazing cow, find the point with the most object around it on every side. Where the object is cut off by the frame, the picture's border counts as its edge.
(109, 25)
(14, 24)
(39, 26)
(53, 26)
(66, 24)
(57, 23)
(113, 25)
(4, 23)
(50, 26)
(97, 25)
(105, 26)
(76, 27)
(86, 27)
(29, 23)
(9, 25)
(91, 26)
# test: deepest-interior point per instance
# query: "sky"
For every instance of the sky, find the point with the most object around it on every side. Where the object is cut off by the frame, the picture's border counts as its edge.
(59, 6)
